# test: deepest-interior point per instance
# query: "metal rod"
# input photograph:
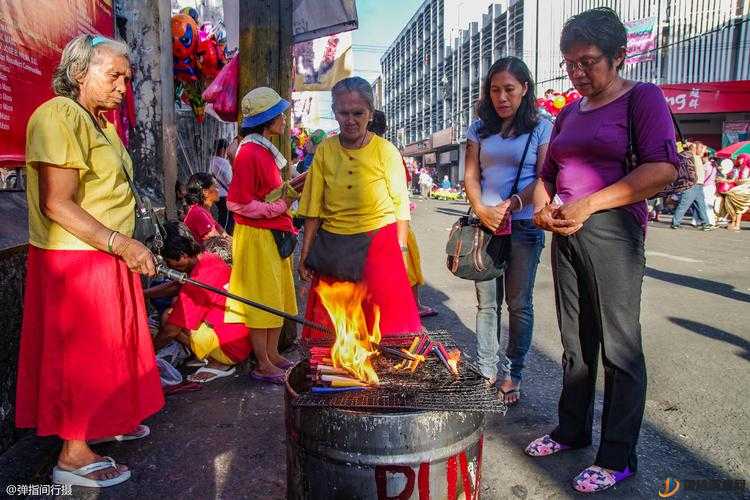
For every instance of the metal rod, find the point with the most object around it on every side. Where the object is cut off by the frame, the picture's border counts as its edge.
(181, 277)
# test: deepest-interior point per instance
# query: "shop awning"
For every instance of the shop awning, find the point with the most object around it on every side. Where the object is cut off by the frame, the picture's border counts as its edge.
(714, 97)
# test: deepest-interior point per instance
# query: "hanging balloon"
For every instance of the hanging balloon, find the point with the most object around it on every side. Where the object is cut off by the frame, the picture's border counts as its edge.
(184, 42)
(571, 96)
(558, 102)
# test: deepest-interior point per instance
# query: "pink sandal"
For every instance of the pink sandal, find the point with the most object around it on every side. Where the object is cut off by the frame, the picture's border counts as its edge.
(594, 479)
(544, 447)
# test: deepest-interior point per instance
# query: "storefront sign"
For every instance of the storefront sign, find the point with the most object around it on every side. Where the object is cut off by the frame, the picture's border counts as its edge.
(32, 37)
(733, 132)
(442, 137)
(430, 158)
(417, 147)
(715, 97)
(641, 40)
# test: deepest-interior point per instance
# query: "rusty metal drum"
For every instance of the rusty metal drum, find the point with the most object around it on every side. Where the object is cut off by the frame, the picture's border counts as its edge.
(338, 454)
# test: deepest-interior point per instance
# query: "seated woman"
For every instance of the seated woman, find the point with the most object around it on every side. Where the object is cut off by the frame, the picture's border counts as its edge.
(202, 193)
(197, 316)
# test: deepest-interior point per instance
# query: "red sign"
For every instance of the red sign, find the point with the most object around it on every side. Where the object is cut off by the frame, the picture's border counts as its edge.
(32, 37)
(715, 97)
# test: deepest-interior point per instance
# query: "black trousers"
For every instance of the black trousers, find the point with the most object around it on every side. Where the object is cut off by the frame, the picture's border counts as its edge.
(598, 274)
(225, 216)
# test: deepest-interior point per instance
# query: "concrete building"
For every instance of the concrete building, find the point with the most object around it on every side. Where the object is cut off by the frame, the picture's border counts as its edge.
(377, 91)
(432, 73)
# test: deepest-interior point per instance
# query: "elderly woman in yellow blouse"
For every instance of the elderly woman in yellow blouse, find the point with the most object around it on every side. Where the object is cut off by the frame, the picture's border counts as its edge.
(356, 208)
(86, 369)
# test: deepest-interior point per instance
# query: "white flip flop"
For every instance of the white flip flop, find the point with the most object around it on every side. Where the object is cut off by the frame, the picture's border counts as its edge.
(78, 477)
(140, 432)
(212, 371)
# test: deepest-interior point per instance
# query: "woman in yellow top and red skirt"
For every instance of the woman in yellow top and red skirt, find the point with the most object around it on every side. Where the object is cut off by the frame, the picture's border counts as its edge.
(356, 208)
(86, 368)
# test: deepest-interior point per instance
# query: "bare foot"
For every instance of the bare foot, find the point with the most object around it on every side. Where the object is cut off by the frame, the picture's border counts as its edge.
(269, 370)
(278, 360)
(509, 392)
(73, 463)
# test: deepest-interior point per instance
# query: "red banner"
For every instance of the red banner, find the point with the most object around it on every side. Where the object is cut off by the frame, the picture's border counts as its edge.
(715, 97)
(33, 34)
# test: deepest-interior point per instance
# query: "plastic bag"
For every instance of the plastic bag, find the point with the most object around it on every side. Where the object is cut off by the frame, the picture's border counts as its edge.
(222, 93)
(168, 374)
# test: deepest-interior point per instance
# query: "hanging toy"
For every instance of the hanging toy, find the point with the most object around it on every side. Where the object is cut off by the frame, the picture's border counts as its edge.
(184, 43)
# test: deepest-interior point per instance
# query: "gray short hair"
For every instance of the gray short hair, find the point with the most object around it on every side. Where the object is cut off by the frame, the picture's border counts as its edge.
(354, 84)
(76, 59)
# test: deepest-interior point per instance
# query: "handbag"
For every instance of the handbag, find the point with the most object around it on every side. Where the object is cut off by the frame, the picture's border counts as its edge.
(474, 253)
(285, 242)
(148, 228)
(686, 175)
(341, 256)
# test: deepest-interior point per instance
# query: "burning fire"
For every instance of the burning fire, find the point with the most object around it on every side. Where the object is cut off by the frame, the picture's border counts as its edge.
(453, 357)
(354, 342)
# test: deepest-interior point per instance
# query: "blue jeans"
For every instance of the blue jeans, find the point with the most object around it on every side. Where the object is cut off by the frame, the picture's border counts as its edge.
(527, 242)
(692, 197)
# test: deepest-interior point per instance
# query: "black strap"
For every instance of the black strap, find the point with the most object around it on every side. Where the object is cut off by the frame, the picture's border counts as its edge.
(520, 165)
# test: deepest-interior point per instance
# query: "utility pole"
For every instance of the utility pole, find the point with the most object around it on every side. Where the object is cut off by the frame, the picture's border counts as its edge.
(266, 61)
(266, 55)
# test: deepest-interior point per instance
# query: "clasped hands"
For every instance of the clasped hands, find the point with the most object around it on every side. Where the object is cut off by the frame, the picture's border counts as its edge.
(564, 219)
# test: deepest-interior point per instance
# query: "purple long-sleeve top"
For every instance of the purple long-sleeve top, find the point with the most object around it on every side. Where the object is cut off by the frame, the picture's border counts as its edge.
(587, 148)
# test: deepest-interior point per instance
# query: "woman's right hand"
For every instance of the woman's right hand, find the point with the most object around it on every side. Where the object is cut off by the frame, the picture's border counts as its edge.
(136, 255)
(492, 217)
(305, 273)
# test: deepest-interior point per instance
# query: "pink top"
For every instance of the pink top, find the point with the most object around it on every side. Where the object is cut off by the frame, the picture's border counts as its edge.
(200, 222)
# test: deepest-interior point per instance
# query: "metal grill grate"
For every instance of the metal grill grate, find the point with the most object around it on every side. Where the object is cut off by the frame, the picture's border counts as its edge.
(430, 387)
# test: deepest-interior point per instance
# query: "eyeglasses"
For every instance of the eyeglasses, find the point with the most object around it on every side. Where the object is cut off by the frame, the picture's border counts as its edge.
(584, 65)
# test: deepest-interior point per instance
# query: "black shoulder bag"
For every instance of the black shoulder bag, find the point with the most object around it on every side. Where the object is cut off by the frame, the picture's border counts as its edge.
(148, 227)
(474, 253)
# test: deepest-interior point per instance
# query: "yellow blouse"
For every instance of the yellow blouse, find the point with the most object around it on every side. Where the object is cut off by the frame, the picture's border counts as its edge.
(356, 190)
(62, 134)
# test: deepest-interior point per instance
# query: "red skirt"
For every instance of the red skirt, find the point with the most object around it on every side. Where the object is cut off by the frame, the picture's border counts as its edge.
(86, 368)
(388, 287)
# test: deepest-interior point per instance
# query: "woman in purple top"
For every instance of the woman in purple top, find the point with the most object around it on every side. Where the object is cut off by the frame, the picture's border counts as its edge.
(598, 221)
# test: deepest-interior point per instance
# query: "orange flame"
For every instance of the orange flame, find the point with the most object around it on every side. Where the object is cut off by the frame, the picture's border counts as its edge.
(354, 343)
(453, 357)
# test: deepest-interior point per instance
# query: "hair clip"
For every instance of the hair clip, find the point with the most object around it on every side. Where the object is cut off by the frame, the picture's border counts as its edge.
(97, 40)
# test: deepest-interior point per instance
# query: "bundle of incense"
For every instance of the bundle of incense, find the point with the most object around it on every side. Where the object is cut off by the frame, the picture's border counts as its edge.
(424, 341)
(321, 361)
(330, 370)
(332, 390)
(413, 345)
(403, 354)
(444, 359)
(342, 381)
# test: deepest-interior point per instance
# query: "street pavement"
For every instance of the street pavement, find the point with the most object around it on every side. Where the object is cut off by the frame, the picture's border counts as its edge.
(227, 440)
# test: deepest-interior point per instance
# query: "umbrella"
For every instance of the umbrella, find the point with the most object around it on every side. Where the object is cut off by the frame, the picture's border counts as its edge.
(734, 150)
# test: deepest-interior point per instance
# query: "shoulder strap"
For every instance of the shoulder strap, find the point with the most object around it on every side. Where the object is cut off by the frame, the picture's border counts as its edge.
(520, 165)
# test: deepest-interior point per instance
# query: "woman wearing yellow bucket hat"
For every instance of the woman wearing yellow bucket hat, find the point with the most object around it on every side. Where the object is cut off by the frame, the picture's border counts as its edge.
(260, 272)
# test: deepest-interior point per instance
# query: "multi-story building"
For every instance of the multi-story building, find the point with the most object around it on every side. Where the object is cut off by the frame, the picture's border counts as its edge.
(377, 91)
(432, 73)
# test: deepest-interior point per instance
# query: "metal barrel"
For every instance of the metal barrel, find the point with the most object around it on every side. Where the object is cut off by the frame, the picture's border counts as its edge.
(343, 454)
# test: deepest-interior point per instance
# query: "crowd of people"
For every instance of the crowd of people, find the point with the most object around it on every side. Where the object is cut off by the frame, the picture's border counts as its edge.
(89, 373)
(720, 196)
